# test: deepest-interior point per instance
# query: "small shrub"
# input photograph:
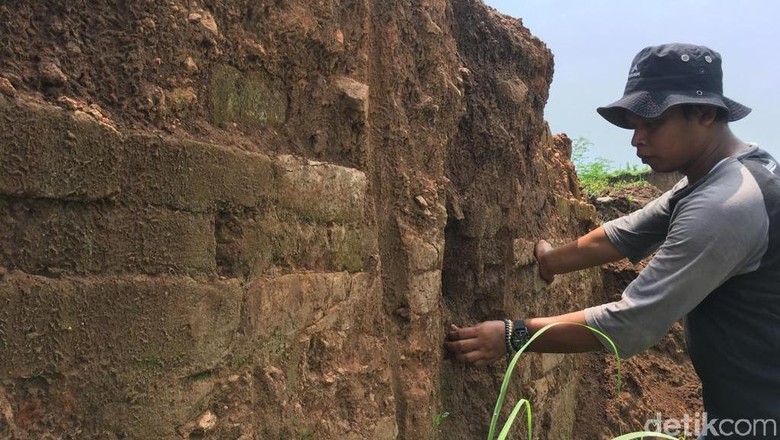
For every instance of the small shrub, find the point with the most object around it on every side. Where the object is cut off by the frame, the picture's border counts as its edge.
(598, 174)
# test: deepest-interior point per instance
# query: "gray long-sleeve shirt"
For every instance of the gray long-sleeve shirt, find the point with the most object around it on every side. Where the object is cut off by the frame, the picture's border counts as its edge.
(717, 264)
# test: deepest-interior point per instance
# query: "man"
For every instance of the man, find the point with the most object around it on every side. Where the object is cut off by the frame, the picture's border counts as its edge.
(716, 238)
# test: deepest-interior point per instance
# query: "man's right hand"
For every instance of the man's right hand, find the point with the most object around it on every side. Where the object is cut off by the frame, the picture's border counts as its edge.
(592, 249)
(540, 250)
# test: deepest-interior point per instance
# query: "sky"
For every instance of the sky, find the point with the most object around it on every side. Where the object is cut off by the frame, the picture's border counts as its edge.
(594, 41)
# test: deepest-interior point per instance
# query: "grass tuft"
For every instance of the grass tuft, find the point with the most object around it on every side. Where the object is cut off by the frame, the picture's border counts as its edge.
(598, 174)
(523, 402)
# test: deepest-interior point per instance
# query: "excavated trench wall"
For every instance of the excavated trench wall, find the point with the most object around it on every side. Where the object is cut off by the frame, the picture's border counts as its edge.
(259, 220)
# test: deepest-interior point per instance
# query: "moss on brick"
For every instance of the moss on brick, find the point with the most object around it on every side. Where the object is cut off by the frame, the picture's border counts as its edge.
(250, 98)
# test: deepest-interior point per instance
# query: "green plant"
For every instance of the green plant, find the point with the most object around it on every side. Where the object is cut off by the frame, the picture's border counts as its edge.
(440, 418)
(437, 421)
(524, 402)
(598, 174)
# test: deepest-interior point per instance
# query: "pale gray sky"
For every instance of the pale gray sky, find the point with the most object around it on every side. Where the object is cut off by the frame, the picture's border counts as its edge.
(594, 41)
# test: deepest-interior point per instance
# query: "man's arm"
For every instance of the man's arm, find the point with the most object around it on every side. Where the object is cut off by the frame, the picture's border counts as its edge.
(592, 249)
(484, 342)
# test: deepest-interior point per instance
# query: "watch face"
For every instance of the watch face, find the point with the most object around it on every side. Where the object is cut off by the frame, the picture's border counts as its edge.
(519, 338)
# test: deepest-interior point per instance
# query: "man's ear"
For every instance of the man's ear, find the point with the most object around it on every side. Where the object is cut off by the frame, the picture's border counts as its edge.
(708, 114)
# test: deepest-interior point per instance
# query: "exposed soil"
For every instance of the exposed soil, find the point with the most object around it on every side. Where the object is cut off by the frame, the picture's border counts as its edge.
(150, 65)
(659, 380)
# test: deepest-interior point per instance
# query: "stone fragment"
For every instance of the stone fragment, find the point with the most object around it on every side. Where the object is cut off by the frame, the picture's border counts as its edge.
(514, 91)
(421, 202)
(430, 26)
(208, 23)
(199, 426)
(190, 65)
(355, 94)
(51, 74)
(207, 421)
(180, 99)
(7, 425)
(253, 48)
(6, 87)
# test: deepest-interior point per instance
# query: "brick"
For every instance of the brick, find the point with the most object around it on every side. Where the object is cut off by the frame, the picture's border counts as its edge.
(179, 325)
(523, 252)
(251, 98)
(138, 327)
(250, 244)
(34, 335)
(350, 247)
(290, 303)
(195, 176)
(43, 235)
(551, 361)
(322, 192)
(563, 207)
(584, 211)
(198, 177)
(563, 407)
(423, 256)
(425, 292)
(142, 409)
(47, 152)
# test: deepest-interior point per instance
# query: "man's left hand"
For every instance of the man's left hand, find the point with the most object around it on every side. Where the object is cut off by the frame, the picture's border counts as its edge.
(478, 345)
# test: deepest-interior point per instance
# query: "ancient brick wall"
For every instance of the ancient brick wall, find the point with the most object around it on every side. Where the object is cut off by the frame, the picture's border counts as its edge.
(261, 221)
(135, 267)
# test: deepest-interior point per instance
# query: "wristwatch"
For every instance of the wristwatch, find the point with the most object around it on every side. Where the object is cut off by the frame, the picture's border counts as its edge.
(519, 336)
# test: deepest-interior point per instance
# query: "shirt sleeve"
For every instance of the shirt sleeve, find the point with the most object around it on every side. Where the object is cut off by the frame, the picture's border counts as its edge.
(711, 238)
(640, 233)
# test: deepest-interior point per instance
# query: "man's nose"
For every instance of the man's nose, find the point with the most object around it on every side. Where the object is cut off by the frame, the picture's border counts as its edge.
(638, 138)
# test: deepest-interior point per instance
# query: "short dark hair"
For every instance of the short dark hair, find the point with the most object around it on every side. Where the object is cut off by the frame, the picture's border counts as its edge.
(689, 110)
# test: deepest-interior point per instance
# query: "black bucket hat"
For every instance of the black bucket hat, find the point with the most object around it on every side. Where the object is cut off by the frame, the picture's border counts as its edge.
(668, 75)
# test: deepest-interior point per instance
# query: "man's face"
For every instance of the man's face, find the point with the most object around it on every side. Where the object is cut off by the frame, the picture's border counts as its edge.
(670, 142)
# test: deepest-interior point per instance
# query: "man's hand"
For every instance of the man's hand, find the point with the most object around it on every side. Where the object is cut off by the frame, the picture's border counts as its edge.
(542, 248)
(478, 345)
